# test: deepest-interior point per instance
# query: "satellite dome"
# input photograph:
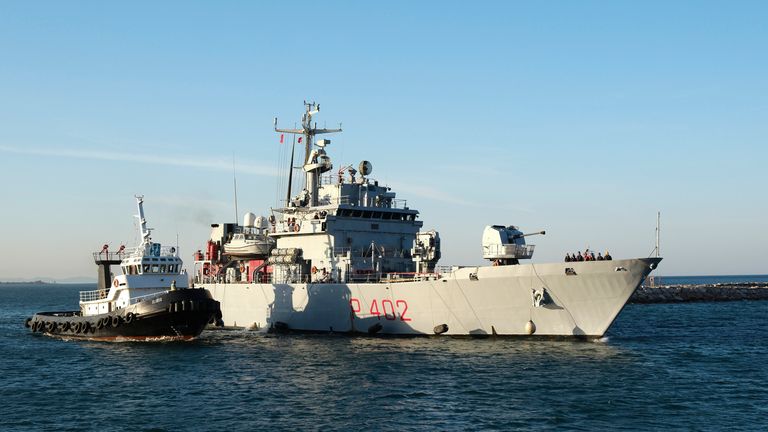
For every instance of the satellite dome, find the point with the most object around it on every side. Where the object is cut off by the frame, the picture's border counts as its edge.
(365, 168)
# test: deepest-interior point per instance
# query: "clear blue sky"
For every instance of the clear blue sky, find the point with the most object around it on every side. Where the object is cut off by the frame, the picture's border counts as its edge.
(581, 118)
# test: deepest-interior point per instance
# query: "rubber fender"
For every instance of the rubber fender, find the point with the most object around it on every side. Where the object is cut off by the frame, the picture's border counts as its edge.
(28, 322)
(115, 321)
(129, 317)
(440, 329)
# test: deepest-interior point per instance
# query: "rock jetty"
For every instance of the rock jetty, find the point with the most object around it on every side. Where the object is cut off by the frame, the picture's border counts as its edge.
(700, 293)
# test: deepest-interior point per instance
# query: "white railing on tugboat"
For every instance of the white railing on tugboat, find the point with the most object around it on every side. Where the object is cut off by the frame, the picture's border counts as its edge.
(108, 256)
(86, 296)
(158, 252)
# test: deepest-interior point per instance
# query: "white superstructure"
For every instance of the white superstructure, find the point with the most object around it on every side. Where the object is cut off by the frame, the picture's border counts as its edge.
(349, 256)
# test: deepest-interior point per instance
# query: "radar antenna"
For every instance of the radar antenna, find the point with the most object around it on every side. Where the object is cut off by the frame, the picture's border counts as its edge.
(309, 130)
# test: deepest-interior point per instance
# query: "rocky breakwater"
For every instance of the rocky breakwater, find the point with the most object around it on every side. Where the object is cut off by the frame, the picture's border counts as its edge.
(698, 293)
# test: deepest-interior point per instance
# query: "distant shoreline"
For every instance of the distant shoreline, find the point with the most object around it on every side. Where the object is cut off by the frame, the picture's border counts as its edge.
(37, 282)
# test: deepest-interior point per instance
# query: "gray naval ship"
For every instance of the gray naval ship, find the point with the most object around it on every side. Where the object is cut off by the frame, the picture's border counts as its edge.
(345, 255)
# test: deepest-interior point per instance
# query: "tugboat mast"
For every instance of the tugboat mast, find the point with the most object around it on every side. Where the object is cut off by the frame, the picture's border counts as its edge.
(308, 130)
(143, 230)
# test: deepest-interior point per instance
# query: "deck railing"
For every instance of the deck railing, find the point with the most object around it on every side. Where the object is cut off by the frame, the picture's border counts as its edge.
(86, 296)
(508, 251)
(108, 256)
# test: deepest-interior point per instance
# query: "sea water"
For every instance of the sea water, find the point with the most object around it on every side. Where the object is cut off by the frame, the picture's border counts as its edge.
(697, 366)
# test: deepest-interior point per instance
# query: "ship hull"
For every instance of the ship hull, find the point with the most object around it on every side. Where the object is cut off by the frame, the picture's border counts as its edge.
(577, 299)
(174, 315)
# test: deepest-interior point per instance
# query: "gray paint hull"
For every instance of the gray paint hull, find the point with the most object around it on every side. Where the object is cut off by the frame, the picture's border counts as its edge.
(470, 301)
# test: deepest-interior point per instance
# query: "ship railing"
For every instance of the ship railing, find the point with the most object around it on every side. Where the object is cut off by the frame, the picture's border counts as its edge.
(516, 251)
(88, 296)
(399, 203)
(153, 252)
(409, 276)
(341, 251)
(109, 256)
(444, 269)
(330, 179)
(394, 203)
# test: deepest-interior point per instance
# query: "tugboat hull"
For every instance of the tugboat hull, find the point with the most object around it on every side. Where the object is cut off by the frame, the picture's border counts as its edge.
(171, 315)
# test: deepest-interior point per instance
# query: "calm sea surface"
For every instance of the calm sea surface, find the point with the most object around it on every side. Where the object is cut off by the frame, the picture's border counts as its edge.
(698, 366)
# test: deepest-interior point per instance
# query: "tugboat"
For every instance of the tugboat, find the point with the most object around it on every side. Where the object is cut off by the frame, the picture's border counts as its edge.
(151, 300)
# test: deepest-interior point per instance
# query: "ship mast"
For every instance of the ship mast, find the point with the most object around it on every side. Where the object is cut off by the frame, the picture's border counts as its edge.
(658, 232)
(143, 230)
(308, 130)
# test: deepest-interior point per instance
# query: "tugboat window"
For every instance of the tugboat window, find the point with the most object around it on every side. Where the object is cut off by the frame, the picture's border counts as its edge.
(162, 268)
(146, 268)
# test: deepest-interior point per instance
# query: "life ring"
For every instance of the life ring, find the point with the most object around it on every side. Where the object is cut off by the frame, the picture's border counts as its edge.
(114, 283)
(296, 228)
(242, 268)
(314, 269)
(129, 317)
(102, 294)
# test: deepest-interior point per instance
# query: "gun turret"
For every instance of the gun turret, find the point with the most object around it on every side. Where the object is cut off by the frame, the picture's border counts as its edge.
(505, 245)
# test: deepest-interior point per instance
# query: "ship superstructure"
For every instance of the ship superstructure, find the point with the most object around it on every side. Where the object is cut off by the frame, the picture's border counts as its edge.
(349, 256)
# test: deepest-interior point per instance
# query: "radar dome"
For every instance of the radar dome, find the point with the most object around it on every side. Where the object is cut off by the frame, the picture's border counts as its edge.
(261, 222)
(365, 168)
(249, 219)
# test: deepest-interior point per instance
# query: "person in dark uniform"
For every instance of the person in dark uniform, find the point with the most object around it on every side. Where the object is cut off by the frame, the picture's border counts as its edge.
(567, 257)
